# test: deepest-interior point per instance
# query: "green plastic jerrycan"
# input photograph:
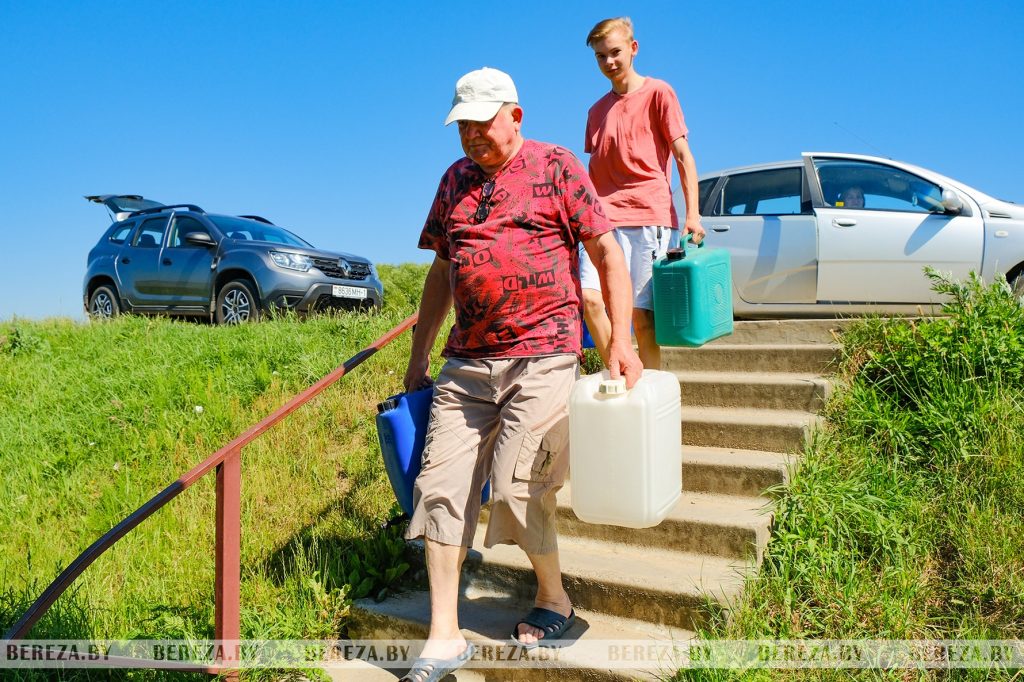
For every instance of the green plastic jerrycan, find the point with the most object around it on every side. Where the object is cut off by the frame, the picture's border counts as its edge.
(692, 295)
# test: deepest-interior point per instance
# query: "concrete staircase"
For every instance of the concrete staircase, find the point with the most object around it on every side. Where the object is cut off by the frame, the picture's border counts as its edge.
(749, 401)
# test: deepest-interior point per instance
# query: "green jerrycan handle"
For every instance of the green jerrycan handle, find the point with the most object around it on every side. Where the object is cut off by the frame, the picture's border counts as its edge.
(687, 242)
(685, 245)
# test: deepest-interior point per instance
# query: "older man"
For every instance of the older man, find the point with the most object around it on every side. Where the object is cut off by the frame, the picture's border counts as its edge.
(505, 225)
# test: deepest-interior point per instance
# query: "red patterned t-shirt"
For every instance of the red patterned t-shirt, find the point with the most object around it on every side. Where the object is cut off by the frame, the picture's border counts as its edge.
(515, 275)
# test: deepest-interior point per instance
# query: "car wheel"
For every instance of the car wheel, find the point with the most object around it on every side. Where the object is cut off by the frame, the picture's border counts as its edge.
(103, 303)
(1017, 285)
(236, 303)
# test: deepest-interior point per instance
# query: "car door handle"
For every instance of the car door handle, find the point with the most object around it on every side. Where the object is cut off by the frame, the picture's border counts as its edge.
(720, 228)
(126, 260)
(843, 222)
(167, 261)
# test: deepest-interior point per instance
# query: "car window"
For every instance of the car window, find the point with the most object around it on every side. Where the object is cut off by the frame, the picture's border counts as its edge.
(873, 186)
(151, 233)
(121, 232)
(128, 203)
(768, 192)
(241, 234)
(704, 188)
(275, 237)
(184, 224)
(246, 229)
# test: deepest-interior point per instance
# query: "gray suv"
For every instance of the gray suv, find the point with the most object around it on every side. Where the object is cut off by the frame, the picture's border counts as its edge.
(181, 260)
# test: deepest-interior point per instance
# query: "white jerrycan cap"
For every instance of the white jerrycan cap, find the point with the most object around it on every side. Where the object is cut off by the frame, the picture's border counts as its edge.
(612, 387)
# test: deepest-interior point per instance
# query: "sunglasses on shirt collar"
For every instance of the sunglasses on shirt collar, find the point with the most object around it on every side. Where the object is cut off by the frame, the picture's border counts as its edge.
(483, 209)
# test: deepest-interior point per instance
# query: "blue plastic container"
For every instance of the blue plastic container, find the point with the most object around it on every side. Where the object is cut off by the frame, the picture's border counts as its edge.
(402, 422)
(588, 340)
(692, 296)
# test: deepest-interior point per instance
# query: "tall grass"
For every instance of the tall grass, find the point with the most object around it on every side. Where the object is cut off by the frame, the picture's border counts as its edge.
(906, 517)
(95, 418)
(905, 520)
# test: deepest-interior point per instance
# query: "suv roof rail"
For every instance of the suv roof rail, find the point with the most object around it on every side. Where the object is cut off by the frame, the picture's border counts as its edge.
(160, 209)
(257, 218)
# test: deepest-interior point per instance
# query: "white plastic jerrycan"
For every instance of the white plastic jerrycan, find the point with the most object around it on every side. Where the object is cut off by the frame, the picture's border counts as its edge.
(625, 449)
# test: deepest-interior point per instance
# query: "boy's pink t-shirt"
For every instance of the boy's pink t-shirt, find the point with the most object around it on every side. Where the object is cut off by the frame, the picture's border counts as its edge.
(629, 139)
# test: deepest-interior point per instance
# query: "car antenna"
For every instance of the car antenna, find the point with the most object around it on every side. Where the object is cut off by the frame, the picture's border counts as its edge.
(847, 130)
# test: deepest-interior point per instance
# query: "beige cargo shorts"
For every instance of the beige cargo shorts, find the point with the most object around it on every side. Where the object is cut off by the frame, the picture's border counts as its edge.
(500, 419)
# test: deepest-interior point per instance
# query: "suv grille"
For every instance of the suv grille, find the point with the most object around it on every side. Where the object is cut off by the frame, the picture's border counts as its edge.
(330, 267)
(327, 302)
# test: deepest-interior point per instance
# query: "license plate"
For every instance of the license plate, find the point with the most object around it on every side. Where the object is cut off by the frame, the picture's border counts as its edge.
(340, 291)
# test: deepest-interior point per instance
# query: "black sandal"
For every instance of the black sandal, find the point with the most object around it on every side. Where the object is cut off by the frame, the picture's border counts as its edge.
(436, 669)
(552, 623)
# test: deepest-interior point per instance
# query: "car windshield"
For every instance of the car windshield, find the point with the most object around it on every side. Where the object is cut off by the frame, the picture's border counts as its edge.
(253, 230)
(982, 197)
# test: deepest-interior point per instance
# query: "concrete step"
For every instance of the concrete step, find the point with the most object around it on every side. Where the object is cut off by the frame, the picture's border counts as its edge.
(768, 390)
(748, 398)
(729, 471)
(356, 670)
(718, 525)
(749, 429)
(666, 587)
(487, 621)
(785, 331)
(789, 358)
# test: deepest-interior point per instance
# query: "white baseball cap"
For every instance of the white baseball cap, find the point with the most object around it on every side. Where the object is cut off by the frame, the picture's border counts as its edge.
(479, 94)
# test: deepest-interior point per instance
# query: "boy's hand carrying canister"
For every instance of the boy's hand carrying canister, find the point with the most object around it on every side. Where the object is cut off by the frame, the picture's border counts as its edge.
(625, 449)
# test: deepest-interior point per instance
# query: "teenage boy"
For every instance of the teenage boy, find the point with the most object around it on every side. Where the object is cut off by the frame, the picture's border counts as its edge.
(633, 134)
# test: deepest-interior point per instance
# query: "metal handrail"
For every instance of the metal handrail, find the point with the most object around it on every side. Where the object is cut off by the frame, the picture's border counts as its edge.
(227, 461)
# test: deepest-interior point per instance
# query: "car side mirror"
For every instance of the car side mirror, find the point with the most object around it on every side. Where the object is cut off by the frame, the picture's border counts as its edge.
(200, 239)
(951, 202)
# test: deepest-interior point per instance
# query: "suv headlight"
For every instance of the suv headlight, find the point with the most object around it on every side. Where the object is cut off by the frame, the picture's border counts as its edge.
(291, 261)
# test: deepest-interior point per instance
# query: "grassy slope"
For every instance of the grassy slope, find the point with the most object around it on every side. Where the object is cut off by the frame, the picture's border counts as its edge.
(97, 418)
(906, 519)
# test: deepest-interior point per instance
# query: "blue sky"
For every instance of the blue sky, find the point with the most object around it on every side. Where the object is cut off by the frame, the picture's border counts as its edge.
(327, 117)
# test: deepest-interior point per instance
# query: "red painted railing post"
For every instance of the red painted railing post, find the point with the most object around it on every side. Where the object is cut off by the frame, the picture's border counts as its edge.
(227, 587)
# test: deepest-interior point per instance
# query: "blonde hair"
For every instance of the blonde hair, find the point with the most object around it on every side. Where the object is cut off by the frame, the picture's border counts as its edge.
(606, 26)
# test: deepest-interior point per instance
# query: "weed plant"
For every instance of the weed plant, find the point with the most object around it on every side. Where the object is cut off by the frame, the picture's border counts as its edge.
(905, 519)
(96, 418)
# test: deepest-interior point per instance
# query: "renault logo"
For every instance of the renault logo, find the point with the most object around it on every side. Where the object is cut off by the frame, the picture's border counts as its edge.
(346, 269)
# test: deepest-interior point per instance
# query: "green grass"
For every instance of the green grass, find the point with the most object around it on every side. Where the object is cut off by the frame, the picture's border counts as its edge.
(906, 517)
(96, 418)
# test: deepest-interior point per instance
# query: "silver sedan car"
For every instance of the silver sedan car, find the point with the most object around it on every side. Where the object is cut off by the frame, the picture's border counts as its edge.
(845, 233)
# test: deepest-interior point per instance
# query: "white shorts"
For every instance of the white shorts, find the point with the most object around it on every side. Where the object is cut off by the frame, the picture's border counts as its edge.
(641, 246)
